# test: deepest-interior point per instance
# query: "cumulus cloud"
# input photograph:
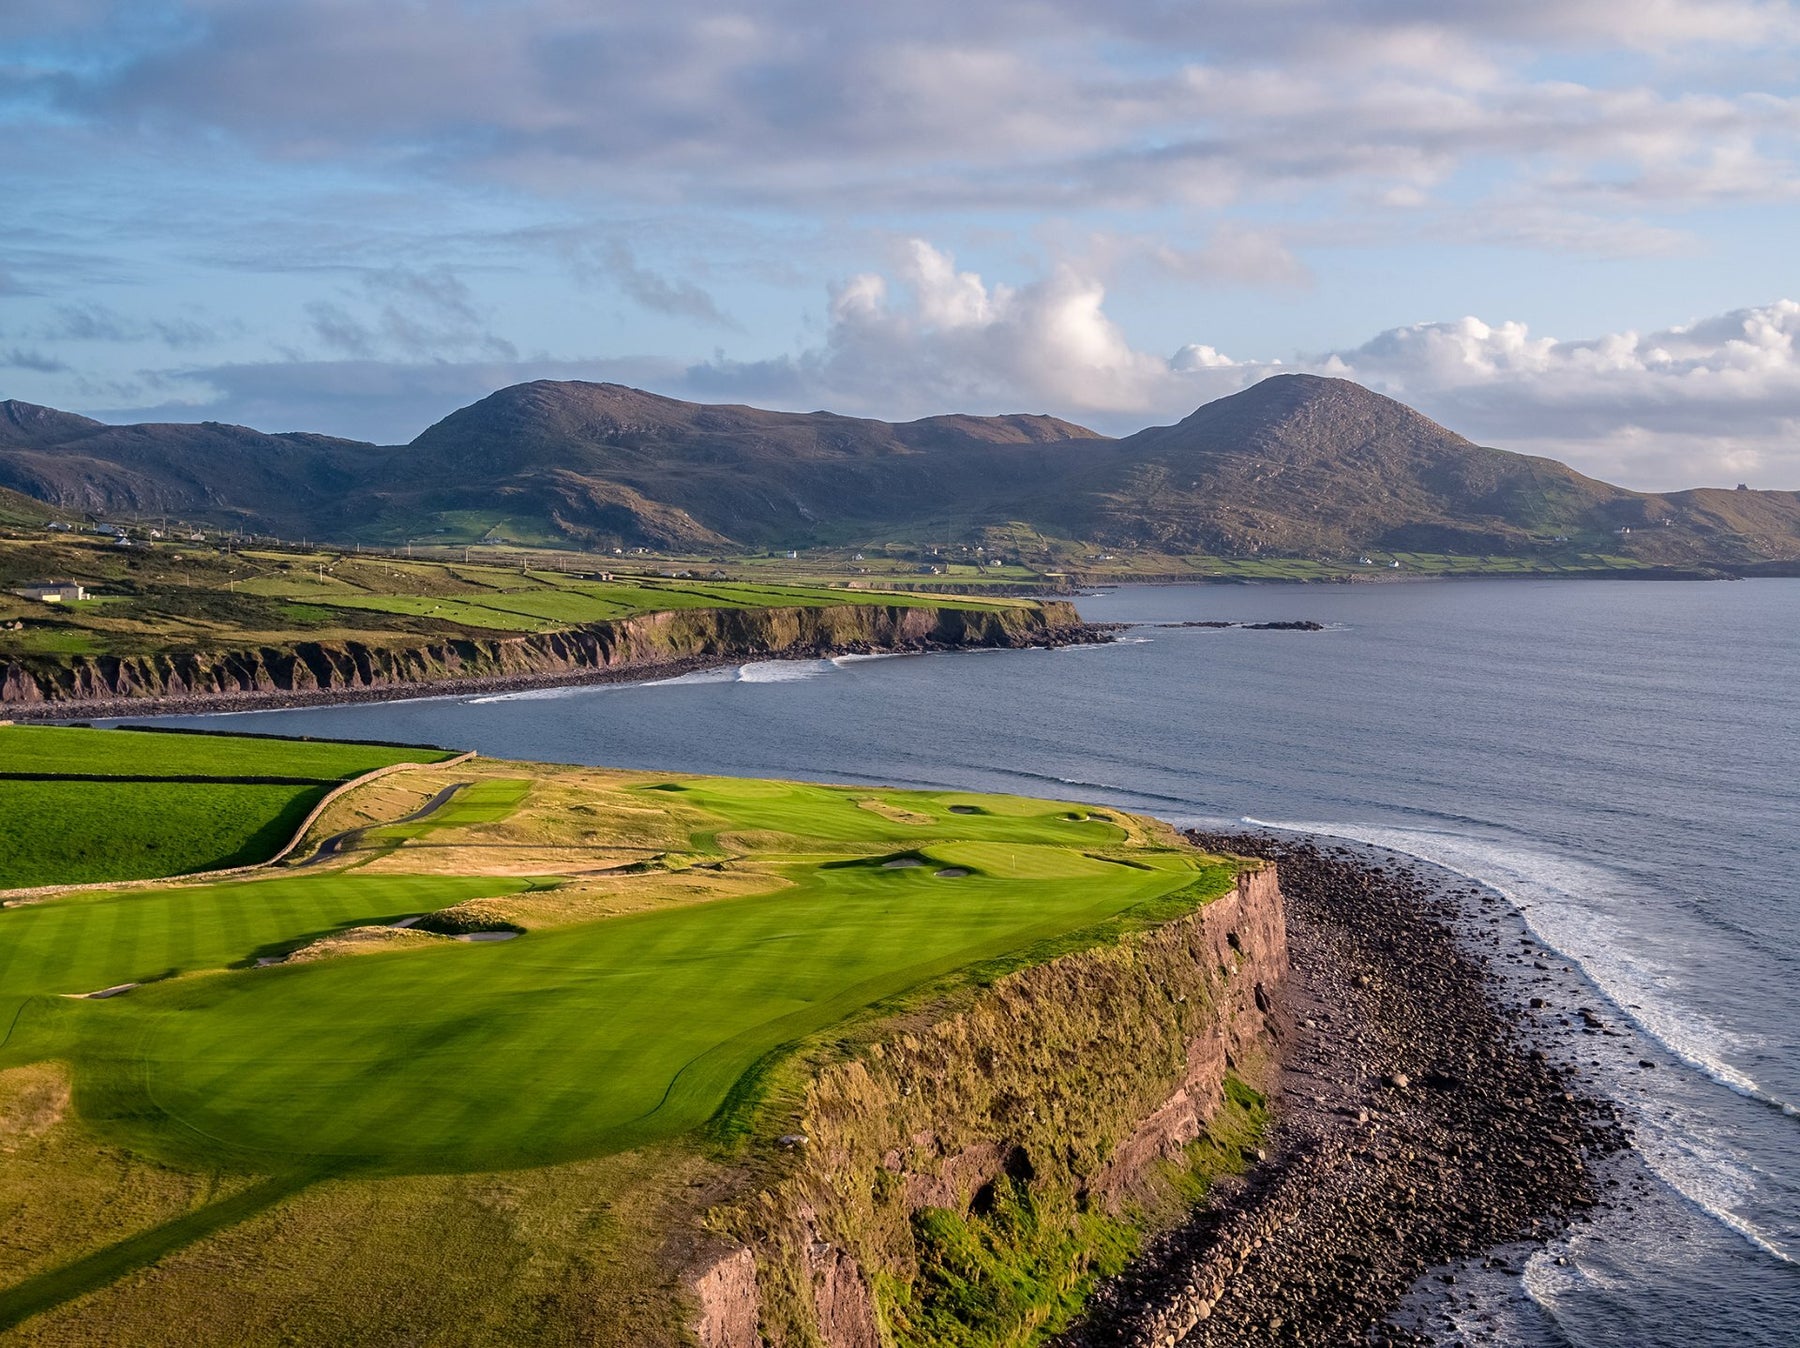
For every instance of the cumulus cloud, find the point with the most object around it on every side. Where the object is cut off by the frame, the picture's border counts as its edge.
(1707, 401)
(1711, 402)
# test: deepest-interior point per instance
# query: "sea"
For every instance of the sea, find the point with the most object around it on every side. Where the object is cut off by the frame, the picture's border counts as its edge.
(1619, 761)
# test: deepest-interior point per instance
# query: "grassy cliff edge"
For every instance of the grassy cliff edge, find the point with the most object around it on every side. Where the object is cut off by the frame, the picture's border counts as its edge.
(967, 1180)
(319, 671)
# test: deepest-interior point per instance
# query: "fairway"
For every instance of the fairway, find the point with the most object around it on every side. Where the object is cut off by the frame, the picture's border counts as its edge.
(82, 806)
(589, 1034)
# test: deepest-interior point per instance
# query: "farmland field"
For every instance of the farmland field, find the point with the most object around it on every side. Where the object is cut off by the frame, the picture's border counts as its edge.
(178, 597)
(79, 806)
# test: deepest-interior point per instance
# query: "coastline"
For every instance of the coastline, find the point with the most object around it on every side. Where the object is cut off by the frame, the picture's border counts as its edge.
(1417, 1124)
(199, 704)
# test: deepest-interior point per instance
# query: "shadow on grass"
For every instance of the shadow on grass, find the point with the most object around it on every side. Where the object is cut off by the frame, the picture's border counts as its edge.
(49, 1290)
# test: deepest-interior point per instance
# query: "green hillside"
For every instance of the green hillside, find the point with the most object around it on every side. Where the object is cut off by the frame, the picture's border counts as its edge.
(1295, 466)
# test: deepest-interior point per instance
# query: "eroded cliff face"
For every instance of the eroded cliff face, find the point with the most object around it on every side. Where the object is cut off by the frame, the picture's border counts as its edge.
(648, 641)
(1054, 1112)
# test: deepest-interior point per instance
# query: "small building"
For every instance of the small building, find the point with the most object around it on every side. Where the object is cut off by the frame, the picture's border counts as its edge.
(53, 592)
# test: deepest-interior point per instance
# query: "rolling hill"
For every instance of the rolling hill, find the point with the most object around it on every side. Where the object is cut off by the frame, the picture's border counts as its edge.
(1295, 466)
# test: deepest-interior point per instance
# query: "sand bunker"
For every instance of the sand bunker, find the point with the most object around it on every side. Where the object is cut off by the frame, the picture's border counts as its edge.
(951, 873)
(104, 993)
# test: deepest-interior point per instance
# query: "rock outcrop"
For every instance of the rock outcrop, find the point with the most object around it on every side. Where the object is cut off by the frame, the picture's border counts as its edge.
(1081, 1081)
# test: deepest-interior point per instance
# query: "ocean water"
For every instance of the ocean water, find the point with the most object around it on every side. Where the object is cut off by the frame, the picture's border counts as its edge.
(1620, 761)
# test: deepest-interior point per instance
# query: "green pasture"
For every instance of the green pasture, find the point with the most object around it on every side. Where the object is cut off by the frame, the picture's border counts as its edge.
(57, 830)
(71, 833)
(554, 601)
(129, 753)
(568, 1041)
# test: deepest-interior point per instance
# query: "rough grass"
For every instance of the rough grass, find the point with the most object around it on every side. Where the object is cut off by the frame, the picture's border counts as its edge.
(1020, 1266)
(567, 1255)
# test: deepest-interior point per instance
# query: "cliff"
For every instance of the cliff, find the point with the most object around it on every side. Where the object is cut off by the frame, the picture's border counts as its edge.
(967, 1180)
(316, 671)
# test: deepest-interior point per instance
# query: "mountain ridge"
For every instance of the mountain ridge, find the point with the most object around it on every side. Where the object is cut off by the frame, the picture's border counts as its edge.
(1295, 465)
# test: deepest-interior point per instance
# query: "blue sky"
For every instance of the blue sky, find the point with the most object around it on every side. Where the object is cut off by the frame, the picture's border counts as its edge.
(1563, 227)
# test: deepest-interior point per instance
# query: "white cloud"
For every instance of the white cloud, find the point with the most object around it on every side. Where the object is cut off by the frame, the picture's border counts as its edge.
(1711, 402)
(1708, 401)
(1702, 402)
(1052, 103)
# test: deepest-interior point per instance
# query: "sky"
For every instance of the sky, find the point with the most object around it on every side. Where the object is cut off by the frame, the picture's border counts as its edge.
(1565, 227)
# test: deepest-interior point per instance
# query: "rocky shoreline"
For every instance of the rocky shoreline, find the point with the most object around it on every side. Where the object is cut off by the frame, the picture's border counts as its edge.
(267, 699)
(1417, 1124)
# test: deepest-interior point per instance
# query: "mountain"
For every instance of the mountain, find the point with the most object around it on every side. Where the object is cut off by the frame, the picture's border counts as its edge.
(214, 472)
(26, 424)
(1302, 464)
(1296, 465)
(586, 455)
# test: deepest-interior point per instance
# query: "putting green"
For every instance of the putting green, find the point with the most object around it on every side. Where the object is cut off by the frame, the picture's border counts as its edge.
(571, 1040)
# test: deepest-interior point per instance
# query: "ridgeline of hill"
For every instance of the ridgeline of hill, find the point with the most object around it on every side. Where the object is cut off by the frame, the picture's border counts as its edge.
(1296, 466)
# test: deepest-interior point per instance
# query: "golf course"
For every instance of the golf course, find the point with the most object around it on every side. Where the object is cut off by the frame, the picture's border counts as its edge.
(489, 967)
